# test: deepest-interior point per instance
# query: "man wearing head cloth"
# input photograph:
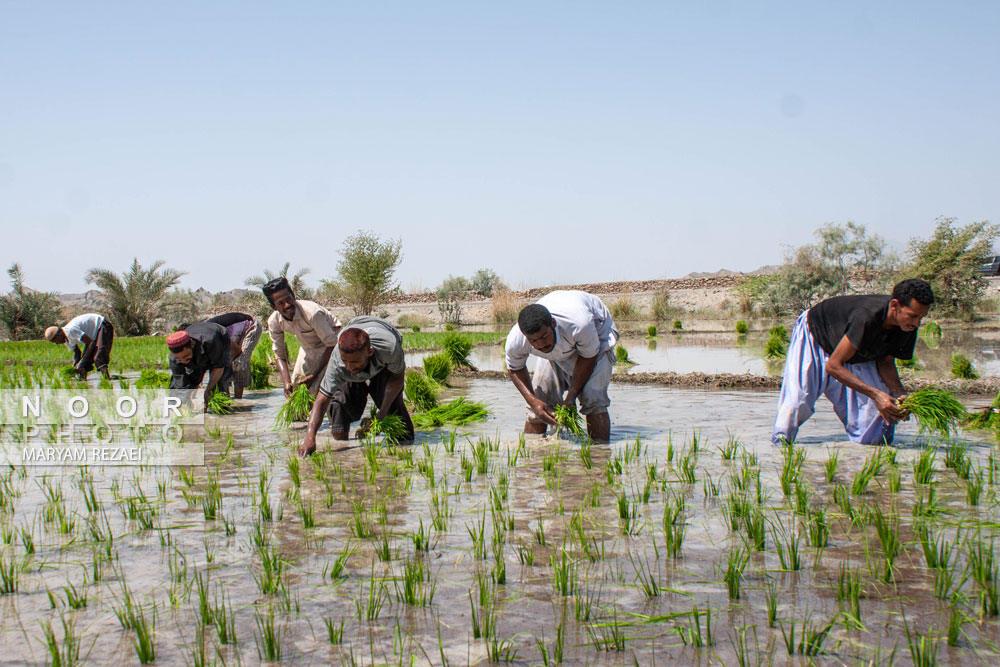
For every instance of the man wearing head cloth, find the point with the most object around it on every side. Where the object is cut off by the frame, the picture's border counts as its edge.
(314, 327)
(96, 335)
(368, 361)
(203, 347)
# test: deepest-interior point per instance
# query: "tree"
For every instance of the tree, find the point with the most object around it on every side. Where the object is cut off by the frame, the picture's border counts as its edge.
(132, 299)
(948, 261)
(25, 313)
(485, 281)
(366, 269)
(297, 280)
(858, 260)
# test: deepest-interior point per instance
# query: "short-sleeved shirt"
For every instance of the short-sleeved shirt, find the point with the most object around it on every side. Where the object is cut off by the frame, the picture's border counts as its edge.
(82, 325)
(387, 343)
(860, 318)
(313, 325)
(583, 328)
(235, 323)
(211, 349)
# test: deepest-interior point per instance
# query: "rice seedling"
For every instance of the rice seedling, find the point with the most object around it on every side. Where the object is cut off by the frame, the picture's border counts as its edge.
(457, 348)
(911, 364)
(985, 571)
(145, 632)
(872, 467)
(956, 620)
(260, 372)
(391, 427)
(923, 466)
(923, 648)
(936, 410)
(564, 579)
(647, 579)
(731, 448)
(608, 636)
(268, 637)
(62, 653)
(334, 631)
(962, 368)
(736, 562)
(152, 379)
(887, 530)
(296, 408)
(621, 356)
(568, 419)
(371, 608)
(755, 528)
(771, 601)
(811, 637)
(220, 403)
(437, 367)
(457, 412)
(817, 529)
(420, 391)
(741, 327)
(678, 325)
(651, 331)
(974, 488)
(830, 467)
(786, 542)
(9, 575)
(693, 635)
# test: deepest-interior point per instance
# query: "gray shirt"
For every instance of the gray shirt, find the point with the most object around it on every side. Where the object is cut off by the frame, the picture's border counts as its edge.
(387, 343)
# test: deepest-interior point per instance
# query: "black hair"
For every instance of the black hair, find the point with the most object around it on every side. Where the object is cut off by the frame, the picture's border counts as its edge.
(532, 318)
(272, 287)
(913, 289)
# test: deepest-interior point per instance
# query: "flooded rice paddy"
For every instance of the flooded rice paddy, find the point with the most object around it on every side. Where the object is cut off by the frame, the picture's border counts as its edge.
(689, 539)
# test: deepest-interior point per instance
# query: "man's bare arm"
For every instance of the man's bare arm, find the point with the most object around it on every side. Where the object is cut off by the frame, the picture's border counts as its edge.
(522, 380)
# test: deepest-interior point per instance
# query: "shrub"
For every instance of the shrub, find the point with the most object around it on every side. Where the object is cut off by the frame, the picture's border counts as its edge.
(25, 313)
(661, 308)
(366, 270)
(486, 282)
(506, 307)
(438, 367)
(961, 367)
(742, 328)
(407, 321)
(450, 308)
(623, 308)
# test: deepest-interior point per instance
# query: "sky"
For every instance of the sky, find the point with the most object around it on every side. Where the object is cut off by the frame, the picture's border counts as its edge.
(555, 142)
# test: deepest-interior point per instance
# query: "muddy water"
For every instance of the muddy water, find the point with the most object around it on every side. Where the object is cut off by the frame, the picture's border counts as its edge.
(548, 490)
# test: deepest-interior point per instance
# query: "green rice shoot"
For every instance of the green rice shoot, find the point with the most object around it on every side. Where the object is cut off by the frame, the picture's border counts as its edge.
(421, 391)
(390, 426)
(458, 412)
(220, 403)
(437, 367)
(296, 408)
(569, 419)
(936, 410)
(457, 347)
(151, 378)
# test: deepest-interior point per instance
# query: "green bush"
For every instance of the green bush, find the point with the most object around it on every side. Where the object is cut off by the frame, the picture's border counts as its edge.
(25, 313)
(741, 327)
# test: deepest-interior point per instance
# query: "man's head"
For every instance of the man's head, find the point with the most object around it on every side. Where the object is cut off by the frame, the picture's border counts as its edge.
(355, 349)
(911, 299)
(54, 334)
(281, 297)
(181, 346)
(536, 323)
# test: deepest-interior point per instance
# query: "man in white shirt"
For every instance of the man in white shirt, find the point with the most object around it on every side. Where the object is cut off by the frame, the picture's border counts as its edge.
(94, 333)
(573, 336)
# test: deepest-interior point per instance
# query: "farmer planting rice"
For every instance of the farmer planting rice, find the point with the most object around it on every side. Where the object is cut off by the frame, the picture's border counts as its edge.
(846, 347)
(368, 361)
(96, 335)
(314, 327)
(244, 332)
(573, 335)
(201, 347)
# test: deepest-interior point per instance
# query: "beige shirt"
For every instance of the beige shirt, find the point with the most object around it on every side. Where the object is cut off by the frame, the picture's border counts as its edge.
(314, 326)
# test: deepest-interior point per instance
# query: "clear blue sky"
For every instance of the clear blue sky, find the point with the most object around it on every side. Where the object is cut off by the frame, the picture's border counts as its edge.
(553, 142)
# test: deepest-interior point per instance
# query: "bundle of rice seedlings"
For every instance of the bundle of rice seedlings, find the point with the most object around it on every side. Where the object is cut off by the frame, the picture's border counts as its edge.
(438, 367)
(69, 373)
(220, 403)
(932, 329)
(621, 356)
(779, 331)
(776, 346)
(296, 408)
(260, 373)
(678, 325)
(421, 391)
(742, 328)
(936, 410)
(457, 348)
(912, 364)
(988, 418)
(962, 368)
(651, 331)
(458, 412)
(391, 426)
(568, 419)
(150, 378)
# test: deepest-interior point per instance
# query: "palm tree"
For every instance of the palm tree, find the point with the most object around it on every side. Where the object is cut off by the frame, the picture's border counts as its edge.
(297, 281)
(24, 313)
(132, 298)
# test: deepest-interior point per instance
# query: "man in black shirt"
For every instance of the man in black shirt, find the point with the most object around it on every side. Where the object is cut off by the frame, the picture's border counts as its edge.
(846, 348)
(201, 347)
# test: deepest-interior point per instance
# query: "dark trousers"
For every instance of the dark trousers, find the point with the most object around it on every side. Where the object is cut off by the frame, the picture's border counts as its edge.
(349, 400)
(193, 380)
(98, 352)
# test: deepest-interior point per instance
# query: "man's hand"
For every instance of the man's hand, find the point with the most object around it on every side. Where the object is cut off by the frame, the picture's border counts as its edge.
(289, 388)
(308, 445)
(906, 413)
(889, 408)
(569, 401)
(541, 410)
(363, 428)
